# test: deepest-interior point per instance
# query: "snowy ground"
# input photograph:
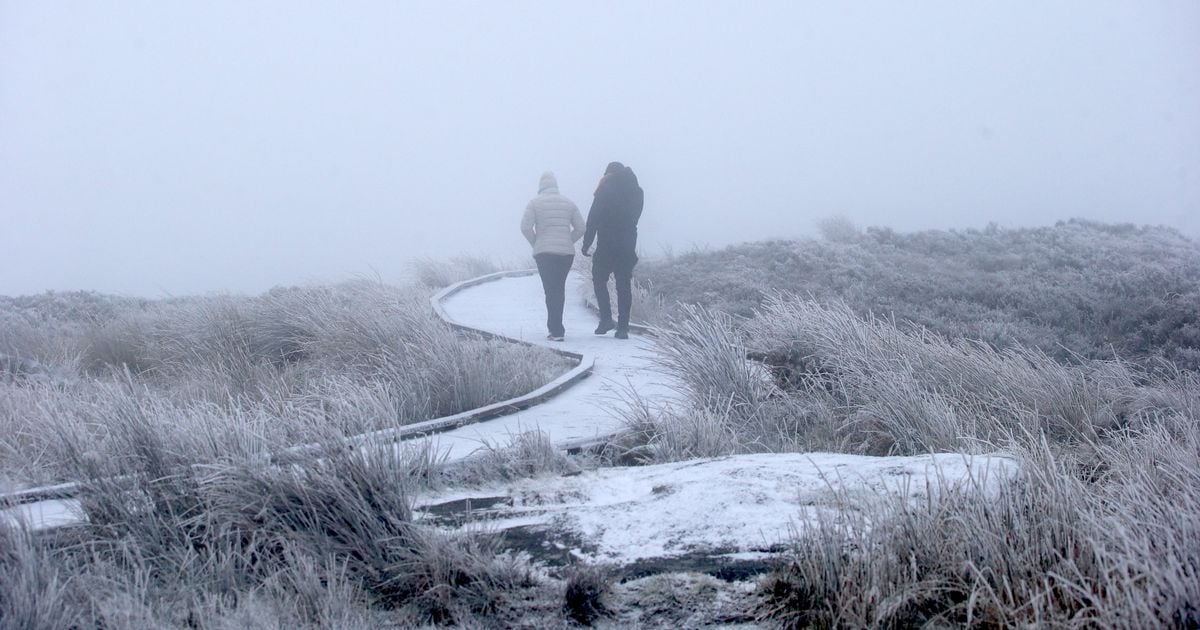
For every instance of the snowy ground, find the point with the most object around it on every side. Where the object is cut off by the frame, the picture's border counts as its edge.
(737, 507)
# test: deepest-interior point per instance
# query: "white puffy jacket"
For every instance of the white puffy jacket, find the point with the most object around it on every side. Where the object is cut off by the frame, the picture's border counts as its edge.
(552, 223)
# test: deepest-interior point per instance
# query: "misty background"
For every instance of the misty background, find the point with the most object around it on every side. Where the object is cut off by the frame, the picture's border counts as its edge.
(152, 148)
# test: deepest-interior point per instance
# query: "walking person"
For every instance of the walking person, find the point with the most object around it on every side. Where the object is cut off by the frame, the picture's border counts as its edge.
(552, 223)
(612, 222)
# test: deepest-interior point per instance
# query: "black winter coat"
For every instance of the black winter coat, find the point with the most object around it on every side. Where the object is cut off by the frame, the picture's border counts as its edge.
(614, 215)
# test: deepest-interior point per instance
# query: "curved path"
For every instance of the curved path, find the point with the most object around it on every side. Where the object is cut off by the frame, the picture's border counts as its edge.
(514, 307)
(508, 305)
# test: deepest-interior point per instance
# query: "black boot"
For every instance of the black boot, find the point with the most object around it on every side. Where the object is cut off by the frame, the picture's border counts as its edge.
(605, 326)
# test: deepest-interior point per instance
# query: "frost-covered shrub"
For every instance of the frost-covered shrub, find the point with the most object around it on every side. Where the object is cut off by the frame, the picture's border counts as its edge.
(329, 543)
(838, 229)
(244, 374)
(46, 327)
(1068, 546)
(436, 273)
(832, 380)
(1076, 290)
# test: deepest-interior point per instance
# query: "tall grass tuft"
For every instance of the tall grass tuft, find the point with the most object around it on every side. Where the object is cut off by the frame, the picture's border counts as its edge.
(1055, 550)
(355, 508)
(733, 405)
(586, 594)
(705, 351)
(330, 541)
(34, 592)
(912, 391)
(527, 454)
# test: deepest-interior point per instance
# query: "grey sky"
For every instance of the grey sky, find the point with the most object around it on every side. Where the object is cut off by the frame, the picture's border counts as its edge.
(181, 147)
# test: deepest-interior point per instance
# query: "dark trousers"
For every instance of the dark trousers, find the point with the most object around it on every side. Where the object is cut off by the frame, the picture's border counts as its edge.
(553, 269)
(620, 266)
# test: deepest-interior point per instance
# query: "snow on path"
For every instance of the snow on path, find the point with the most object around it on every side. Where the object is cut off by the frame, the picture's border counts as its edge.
(515, 307)
(736, 507)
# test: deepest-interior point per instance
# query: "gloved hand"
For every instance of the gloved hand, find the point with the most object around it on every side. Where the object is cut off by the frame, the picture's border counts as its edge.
(585, 253)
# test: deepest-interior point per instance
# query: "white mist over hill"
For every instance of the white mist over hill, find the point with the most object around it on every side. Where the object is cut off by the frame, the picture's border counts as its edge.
(152, 148)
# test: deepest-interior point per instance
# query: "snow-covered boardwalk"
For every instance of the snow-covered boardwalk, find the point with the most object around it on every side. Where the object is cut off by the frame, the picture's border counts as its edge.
(514, 308)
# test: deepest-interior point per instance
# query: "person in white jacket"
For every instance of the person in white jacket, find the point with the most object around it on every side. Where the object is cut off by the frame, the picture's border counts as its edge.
(552, 223)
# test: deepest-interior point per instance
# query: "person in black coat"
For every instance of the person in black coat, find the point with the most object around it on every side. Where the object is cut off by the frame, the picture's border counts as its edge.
(612, 223)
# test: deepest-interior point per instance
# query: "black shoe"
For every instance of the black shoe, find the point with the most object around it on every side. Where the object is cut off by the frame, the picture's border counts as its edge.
(604, 327)
(554, 337)
(622, 333)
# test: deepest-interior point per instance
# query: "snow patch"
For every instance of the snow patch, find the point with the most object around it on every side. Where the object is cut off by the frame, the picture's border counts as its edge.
(738, 507)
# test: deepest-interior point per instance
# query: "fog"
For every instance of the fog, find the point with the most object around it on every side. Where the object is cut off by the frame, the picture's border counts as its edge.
(153, 148)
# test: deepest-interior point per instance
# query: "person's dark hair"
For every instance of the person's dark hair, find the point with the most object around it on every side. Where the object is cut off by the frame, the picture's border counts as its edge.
(614, 167)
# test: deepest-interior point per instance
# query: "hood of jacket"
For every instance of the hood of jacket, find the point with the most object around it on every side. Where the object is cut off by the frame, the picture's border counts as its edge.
(621, 181)
(548, 183)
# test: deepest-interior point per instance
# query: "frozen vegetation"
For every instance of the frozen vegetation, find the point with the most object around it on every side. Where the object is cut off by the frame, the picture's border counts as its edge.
(1068, 352)
(225, 377)
(1076, 290)
(1072, 349)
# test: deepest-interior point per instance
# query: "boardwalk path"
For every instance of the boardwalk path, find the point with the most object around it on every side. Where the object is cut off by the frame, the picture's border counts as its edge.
(513, 307)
